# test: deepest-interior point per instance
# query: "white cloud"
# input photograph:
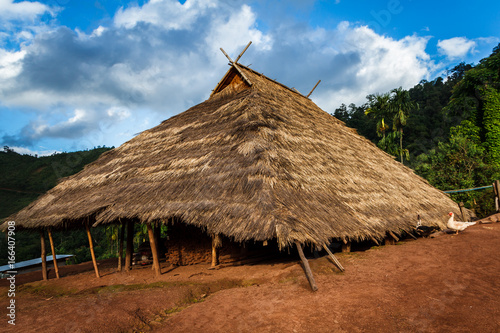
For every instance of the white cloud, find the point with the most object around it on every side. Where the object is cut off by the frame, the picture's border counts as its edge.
(118, 113)
(456, 47)
(384, 63)
(351, 61)
(10, 64)
(235, 31)
(168, 14)
(160, 58)
(24, 10)
(98, 32)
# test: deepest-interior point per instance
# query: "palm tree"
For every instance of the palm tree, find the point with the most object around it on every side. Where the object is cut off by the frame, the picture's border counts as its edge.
(400, 106)
(380, 110)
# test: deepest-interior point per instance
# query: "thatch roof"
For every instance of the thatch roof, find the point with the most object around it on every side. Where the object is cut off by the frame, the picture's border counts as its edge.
(252, 163)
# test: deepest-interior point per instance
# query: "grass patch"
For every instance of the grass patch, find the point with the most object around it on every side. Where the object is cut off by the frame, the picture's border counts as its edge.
(116, 288)
(289, 279)
(46, 291)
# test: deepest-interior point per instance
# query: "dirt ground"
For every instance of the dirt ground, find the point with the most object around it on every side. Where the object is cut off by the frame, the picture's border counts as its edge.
(450, 283)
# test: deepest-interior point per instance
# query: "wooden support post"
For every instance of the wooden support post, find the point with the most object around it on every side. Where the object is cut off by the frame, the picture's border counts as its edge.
(335, 260)
(461, 206)
(120, 246)
(216, 243)
(375, 240)
(496, 186)
(91, 245)
(389, 241)
(54, 257)
(307, 269)
(346, 246)
(393, 236)
(154, 250)
(157, 236)
(410, 234)
(43, 255)
(129, 251)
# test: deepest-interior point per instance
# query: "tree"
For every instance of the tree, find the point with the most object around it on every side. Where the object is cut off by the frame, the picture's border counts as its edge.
(491, 122)
(341, 113)
(400, 105)
(380, 110)
(458, 163)
(477, 98)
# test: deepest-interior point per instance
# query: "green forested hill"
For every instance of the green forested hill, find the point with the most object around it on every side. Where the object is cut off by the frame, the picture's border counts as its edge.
(22, 179)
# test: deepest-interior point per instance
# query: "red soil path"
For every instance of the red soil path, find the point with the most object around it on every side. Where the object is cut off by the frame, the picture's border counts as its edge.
(446, 284)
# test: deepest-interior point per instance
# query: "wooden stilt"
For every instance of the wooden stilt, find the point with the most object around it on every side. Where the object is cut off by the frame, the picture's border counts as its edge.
(130, 245)
(91, 245)
(157, 236)
(157, 232)
(154, 250)
(375, 240)
(389, 241)
(216, 243)
(54, 257)
(346, 246)
(307, 269)
(393, 236)
(120, 246)
(409, 234)
(463, 215)
(496, 186)
(335, 260)
(43, 255)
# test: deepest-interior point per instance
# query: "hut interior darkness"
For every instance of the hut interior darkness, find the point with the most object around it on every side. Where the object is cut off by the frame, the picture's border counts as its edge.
(257, 162)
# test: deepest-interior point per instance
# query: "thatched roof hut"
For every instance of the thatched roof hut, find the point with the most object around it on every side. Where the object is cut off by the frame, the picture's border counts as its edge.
(256, 161)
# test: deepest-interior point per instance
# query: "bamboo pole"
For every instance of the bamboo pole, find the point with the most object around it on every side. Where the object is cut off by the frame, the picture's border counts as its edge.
(154, 250)
(346, 246)
(216, 242)
(374, 240)
(157, 236)
(410, 234)
(497, 191)
(120, 246)
(44, 256)
(394, 236)
(461, 206)
(313, 89)
(239, 56)
(157, 231)
(307, 268)
(335, 260)
(91, 245)
(54, 257)
(130, 245)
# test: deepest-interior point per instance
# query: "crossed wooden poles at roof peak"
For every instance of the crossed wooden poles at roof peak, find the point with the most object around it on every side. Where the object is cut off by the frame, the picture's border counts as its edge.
(235, 65)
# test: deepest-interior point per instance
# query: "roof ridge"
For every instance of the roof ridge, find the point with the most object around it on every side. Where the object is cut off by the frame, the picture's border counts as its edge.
(272, 80)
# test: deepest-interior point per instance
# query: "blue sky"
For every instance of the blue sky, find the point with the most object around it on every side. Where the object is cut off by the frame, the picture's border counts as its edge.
(79, 74)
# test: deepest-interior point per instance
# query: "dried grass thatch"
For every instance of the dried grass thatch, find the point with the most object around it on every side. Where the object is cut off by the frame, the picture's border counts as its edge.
(252, 163)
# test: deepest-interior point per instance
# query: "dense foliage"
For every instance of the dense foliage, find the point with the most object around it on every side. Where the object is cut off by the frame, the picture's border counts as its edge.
(22, 179)
(452, 137)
